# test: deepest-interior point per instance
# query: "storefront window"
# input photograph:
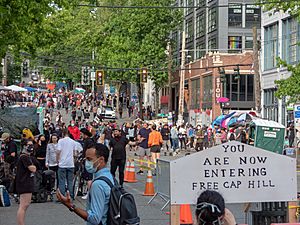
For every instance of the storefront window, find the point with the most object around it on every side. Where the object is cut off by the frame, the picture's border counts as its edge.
(207, 89)
(195, 94)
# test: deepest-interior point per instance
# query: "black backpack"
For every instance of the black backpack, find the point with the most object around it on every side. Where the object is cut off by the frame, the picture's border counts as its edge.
(122, 208)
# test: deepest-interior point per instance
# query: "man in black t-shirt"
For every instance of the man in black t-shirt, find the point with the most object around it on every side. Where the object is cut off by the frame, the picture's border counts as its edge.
(118, 157)
(10, 154)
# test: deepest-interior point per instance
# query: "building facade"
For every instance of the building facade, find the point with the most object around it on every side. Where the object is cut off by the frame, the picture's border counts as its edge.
(280, 35)
(216, 25)
(218, 33)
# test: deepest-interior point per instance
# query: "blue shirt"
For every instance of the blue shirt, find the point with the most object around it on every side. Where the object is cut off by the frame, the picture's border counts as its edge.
(98, 200)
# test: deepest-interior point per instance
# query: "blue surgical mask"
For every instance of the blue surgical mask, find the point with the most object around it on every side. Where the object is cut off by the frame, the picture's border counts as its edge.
(89, 166)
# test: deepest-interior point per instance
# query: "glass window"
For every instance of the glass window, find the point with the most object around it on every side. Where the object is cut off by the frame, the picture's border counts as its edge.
(235, 17)
(212, 19)
(290, 41)
(190, 3)
(270, 46)
(212, 44)
(235, 42)
(195, 94)
(253, 16)
(200, 3)
(249, 42)
(242, 88)
(250, 87)
(189, 30)
(207, 89)
(200, 25)
(201, 50)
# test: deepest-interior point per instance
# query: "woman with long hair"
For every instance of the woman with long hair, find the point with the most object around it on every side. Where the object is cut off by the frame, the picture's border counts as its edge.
(51, 155)
(24, 183)
(40, 151)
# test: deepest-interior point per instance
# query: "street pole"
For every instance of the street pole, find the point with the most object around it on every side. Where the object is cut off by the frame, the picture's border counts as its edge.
(4, 71)
(256, 72)
(181, 80)
(93, 70)
(169, 49)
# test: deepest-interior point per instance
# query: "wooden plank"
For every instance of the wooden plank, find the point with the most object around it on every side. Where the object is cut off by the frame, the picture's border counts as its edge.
(292, 209)
(175, 215)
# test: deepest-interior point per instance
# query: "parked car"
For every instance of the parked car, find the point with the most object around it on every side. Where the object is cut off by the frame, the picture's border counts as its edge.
(106, 112)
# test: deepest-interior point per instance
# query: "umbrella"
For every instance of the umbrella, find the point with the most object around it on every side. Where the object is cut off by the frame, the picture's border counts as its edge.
(16, 88)
(2, 88)
(218, 120)
(245, 117)
(222, 100)
(225, 122)
(79, 90)
(31, 89)
(233, 121)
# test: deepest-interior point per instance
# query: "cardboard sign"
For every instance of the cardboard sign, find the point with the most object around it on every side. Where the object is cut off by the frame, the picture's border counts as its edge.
(241, 173)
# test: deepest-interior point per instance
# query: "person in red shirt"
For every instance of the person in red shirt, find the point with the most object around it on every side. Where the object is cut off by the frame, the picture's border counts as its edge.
(74, 130)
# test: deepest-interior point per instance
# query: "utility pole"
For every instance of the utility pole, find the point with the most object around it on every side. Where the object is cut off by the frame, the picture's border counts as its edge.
(93, 73)
(169, 50)
(256, 72)
(181, 80)
(4, 71)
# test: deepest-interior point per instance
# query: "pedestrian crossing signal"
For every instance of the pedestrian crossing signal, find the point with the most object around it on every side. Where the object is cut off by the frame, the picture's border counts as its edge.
(144, 74)
(99, 77)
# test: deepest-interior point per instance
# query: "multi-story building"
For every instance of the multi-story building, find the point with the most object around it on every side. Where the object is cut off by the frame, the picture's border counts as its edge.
(223, 27)
(280, 38)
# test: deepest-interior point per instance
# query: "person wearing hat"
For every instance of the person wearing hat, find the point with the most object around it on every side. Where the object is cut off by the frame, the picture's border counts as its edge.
(10, 154)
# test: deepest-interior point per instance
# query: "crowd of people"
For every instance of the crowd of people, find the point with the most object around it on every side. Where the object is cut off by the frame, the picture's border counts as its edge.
(64, 143)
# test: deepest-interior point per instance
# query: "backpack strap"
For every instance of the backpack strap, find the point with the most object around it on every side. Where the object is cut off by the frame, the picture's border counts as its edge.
(106, 180)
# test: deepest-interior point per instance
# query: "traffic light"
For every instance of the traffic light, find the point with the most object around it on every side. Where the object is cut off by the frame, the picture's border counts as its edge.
(25, 69)
(99, 77)
(85, 78)
(222, 74)
(144, 74)
(236, 73)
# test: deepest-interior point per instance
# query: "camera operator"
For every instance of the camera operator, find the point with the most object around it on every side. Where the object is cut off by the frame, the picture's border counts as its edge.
(10, 154)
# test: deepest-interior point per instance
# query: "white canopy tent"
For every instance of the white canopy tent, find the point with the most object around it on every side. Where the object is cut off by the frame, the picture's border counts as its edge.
(16, 88)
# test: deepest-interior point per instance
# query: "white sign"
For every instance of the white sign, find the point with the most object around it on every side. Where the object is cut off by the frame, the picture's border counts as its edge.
(241, 173)
(218, 88)
(106, 89)
(93, 76)
(270, 134)
(297, 115)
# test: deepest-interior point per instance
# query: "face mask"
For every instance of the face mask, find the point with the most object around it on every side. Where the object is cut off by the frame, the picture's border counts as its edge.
(89, 166)
(72, 124)
(29, 148)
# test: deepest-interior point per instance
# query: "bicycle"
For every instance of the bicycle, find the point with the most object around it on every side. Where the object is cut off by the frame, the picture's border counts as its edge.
(79, 183)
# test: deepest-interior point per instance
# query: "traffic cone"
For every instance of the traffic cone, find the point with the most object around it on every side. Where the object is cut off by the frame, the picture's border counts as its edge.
(186, 214)
(126, 175)
(131, 174)
(149, 188)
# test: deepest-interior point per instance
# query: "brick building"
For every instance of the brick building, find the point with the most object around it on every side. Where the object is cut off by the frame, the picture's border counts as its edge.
(204, 85)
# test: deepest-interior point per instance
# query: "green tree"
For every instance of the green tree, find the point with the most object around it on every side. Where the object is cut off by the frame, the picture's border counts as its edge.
(21, 23)
(135, 38)
(291, 86)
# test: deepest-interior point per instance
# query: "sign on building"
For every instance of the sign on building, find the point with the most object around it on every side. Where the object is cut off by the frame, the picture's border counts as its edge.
(241, 173)
(297, 115)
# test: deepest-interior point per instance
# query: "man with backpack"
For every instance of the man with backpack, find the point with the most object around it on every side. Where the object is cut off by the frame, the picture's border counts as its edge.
(104, 197)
